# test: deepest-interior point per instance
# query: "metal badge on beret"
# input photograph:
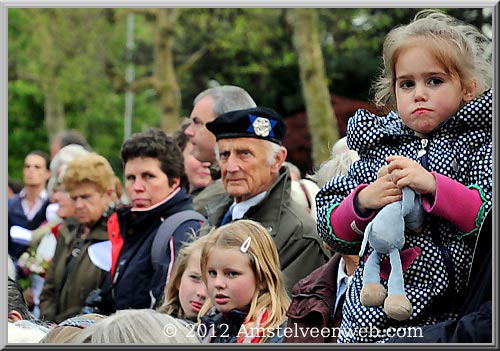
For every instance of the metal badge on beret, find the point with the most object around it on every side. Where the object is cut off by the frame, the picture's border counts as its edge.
(261, 126)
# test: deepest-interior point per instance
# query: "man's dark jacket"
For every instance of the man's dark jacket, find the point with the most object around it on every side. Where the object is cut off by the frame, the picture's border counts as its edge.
(17, 217)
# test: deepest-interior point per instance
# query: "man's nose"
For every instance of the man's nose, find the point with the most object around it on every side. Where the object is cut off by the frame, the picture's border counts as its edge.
(189, 132)
(232, 164)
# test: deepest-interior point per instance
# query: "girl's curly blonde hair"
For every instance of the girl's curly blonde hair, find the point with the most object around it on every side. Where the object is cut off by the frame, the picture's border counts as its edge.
(460, 47)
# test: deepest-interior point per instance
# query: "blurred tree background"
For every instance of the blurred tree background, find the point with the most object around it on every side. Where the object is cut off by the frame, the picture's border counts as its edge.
(67, 67)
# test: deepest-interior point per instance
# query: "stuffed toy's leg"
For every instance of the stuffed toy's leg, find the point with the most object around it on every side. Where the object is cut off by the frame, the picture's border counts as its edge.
(372, 293)
(396, 305)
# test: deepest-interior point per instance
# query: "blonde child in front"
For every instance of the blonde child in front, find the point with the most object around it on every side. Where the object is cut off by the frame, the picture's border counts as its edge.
(437, 140)
(248, 301)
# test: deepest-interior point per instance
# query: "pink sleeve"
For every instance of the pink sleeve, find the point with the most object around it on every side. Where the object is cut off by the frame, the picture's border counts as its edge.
(454, 202)
(345, 222)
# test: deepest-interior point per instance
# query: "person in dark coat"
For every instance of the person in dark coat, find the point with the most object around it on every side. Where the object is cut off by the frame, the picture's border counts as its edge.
(313, 305)
(155, 182)
(27, 209)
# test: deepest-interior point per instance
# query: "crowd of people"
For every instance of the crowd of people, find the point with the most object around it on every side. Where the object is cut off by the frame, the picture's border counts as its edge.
(218, 239)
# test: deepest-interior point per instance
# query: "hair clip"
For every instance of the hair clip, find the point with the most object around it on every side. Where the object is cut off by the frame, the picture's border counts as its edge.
(246, 244)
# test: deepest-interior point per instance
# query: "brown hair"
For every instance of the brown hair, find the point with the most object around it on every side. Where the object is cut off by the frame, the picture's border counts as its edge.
(172, 303)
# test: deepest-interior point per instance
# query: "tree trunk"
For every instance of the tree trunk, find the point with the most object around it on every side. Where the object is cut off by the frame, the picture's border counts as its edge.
(54, 114)
(320, 115)
(166, 84)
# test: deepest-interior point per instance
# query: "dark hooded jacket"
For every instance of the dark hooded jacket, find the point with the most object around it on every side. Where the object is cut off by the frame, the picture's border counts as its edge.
(133, 282)
(461, 150)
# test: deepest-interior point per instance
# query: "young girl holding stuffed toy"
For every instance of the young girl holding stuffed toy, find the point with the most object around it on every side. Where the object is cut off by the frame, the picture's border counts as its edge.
(248, 300)
(436, 140)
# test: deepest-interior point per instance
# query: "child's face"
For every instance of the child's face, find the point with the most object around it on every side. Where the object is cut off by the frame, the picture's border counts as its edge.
(426, 96)
(192, 291)
(231, 281)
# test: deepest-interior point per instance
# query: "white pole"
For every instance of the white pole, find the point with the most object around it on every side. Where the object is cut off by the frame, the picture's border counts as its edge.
(129, 77)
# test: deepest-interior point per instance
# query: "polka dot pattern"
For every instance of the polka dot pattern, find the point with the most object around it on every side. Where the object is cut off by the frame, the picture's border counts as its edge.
(462, 150)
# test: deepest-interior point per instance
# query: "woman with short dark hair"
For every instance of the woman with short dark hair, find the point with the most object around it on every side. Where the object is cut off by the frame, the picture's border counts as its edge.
(154, 181)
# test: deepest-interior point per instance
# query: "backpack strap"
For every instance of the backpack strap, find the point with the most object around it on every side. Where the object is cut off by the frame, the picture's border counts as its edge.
(167, 229)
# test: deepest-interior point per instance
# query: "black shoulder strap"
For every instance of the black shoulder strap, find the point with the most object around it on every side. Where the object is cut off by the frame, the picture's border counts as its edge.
(167, 229)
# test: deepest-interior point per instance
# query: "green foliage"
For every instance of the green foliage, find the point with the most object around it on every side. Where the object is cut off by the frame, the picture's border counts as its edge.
(247, 47)
(25, 124)
(80, 54)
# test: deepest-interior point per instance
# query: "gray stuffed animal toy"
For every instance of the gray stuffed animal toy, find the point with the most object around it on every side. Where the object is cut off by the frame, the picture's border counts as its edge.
(386, 235)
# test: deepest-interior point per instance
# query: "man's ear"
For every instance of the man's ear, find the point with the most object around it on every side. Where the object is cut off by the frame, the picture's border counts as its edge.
(280, 158)
(14, 316)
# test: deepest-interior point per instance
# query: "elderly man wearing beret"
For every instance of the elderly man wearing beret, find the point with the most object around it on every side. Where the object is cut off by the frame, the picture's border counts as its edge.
(250, 154)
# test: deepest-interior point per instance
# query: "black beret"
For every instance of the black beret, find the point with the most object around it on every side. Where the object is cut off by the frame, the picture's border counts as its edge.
(258, 122)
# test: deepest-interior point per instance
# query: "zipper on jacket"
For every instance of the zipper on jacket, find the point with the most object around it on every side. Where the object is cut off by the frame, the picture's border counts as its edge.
(118, 270)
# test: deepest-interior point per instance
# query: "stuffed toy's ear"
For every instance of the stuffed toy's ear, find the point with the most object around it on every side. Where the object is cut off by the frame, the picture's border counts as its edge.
(407, 200)
(413, 211)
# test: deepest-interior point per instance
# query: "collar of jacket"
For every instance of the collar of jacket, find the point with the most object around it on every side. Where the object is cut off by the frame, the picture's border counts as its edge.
(321, 281)
(278, 194)
(146, 221)
(234, 320)
(225, 323)
(68, 230)
(476, 115)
